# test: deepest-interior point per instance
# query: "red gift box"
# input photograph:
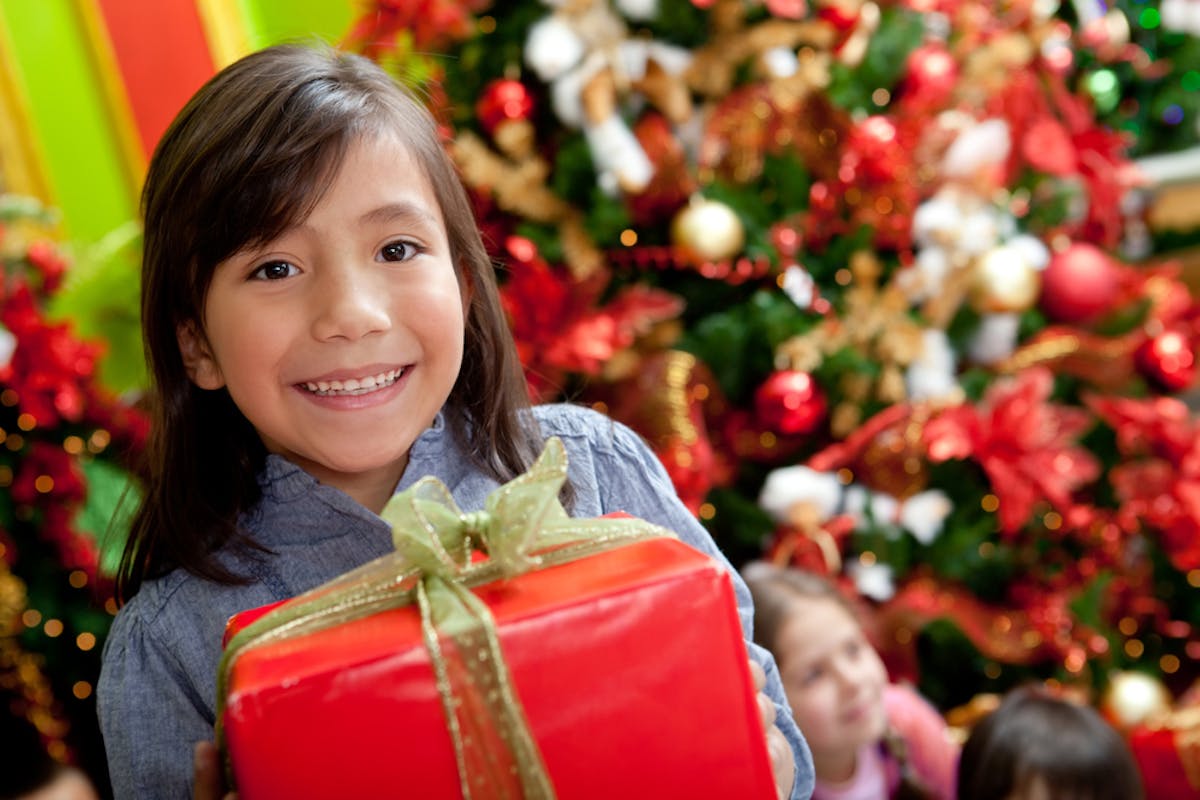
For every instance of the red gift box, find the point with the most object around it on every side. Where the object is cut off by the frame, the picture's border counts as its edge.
(630, 665)
(1168, 757)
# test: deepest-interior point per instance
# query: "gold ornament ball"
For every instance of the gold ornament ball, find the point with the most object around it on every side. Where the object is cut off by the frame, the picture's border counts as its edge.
(1134, 697)
(1003, 281)
(706, 230)
(894, 462)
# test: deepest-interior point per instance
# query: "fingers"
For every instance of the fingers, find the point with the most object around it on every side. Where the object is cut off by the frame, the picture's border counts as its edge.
(766, 708)
(782, 766)
(758, 675)
(207, 781)
(206, 784)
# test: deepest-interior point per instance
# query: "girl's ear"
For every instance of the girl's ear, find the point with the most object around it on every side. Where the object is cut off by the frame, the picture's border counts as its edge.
(197, 357)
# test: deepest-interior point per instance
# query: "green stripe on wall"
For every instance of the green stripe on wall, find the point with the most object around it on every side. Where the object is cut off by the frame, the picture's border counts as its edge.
(70, 118)
(272, 21)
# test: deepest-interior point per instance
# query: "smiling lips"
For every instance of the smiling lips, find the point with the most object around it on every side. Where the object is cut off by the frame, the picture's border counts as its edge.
(354, 386)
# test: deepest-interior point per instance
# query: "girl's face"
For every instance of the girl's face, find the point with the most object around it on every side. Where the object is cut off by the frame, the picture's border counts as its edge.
(341, 339)
(833, 678)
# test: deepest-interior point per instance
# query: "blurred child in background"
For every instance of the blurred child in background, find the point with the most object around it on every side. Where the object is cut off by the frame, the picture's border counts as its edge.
(870, 739)
(1036, 746)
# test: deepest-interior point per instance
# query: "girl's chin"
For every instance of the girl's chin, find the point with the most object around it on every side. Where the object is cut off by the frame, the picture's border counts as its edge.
(865, 725)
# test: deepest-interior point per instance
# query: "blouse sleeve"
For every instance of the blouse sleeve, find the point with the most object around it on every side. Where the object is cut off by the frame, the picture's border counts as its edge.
(151, 716)
(639, 485)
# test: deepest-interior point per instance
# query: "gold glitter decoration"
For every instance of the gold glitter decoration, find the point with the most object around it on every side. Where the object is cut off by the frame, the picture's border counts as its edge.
(731, 44)
(21, 672)
(874, 322)
(516, 178)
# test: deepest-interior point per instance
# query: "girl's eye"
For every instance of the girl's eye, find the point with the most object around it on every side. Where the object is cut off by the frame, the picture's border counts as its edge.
(273, 271)
(398, 251)
(810, 676)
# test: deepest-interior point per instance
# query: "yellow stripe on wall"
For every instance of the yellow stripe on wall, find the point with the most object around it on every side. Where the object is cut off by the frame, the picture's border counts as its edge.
(225, 30)
(22, 163)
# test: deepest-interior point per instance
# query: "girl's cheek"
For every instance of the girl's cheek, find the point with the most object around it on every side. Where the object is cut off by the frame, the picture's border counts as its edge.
(814, 710)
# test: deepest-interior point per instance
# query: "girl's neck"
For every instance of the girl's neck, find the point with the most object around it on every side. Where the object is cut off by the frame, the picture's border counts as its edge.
(374, 496)
(835, 767)
(370, 489)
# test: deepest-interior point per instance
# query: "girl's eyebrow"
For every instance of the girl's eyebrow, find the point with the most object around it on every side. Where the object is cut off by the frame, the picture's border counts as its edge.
(403, 211)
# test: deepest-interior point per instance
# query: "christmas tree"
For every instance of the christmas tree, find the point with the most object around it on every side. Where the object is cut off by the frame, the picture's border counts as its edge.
(65, 447)
(856, 270)
(867, 275)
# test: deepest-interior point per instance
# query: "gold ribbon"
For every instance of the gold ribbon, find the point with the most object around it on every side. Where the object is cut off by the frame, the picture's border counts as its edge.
(523, 527)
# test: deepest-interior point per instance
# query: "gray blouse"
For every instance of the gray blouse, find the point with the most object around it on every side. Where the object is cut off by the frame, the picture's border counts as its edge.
(156, 694)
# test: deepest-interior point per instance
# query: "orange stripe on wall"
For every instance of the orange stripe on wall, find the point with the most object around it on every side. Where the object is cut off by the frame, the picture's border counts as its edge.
(163, 57)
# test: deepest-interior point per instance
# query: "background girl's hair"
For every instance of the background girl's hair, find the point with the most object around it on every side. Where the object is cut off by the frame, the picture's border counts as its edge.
(1033, 735)
(247, 157)
(775, 590)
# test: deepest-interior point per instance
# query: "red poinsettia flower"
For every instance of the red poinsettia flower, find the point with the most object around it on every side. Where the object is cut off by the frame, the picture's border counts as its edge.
(432, 24)
(559, 323)
(1024, 444)
(45, 258)
(1058, 134)
(1159, 488)
(51, 370)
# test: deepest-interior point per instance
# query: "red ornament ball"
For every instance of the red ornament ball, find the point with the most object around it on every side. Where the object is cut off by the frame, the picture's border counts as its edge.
(503, 99)
(931, 74)
(788, 9)
(1167, 361)
(842, 16)
(874, 146)
(1080, 283)
(790, 402)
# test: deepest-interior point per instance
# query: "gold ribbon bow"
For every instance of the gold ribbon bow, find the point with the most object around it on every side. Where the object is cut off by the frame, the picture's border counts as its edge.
(523, 527)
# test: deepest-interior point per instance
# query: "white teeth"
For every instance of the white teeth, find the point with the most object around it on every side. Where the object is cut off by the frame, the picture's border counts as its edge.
(354, 386)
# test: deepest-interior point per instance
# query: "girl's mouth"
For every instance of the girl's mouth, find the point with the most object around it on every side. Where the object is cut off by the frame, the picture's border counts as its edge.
(354, 386)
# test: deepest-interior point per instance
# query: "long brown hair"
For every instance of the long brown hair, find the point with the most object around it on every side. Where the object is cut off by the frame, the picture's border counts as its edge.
(775, 591)
(246, 158)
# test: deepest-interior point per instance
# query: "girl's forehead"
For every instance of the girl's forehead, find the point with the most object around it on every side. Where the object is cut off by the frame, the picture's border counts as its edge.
(369, 163)
(815, 624)
(383, 146)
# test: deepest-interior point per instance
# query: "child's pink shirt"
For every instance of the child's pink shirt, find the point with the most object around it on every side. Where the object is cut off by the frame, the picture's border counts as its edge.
(934, 757)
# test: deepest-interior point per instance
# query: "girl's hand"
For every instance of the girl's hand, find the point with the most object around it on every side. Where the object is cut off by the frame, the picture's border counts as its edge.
(782, 764)
(207, 782)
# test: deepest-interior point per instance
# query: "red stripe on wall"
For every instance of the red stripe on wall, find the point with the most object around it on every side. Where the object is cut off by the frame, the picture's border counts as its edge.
(163, 57)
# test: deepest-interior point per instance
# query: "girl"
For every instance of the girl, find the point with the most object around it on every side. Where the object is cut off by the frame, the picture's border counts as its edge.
(1036, 746)
(323, 328)
(870, 740)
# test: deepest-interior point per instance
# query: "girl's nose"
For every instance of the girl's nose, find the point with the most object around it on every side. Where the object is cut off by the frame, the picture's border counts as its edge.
(847, 673)
(349, 305)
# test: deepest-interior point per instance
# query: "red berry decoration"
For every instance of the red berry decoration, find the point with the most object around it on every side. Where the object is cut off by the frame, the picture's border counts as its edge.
(1080, 283)
(502, 100)
(1167, 361)
(790, 402)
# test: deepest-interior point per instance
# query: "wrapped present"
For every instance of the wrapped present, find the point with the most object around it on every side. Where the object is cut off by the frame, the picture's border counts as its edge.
(578, 659)
(1167, 750)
